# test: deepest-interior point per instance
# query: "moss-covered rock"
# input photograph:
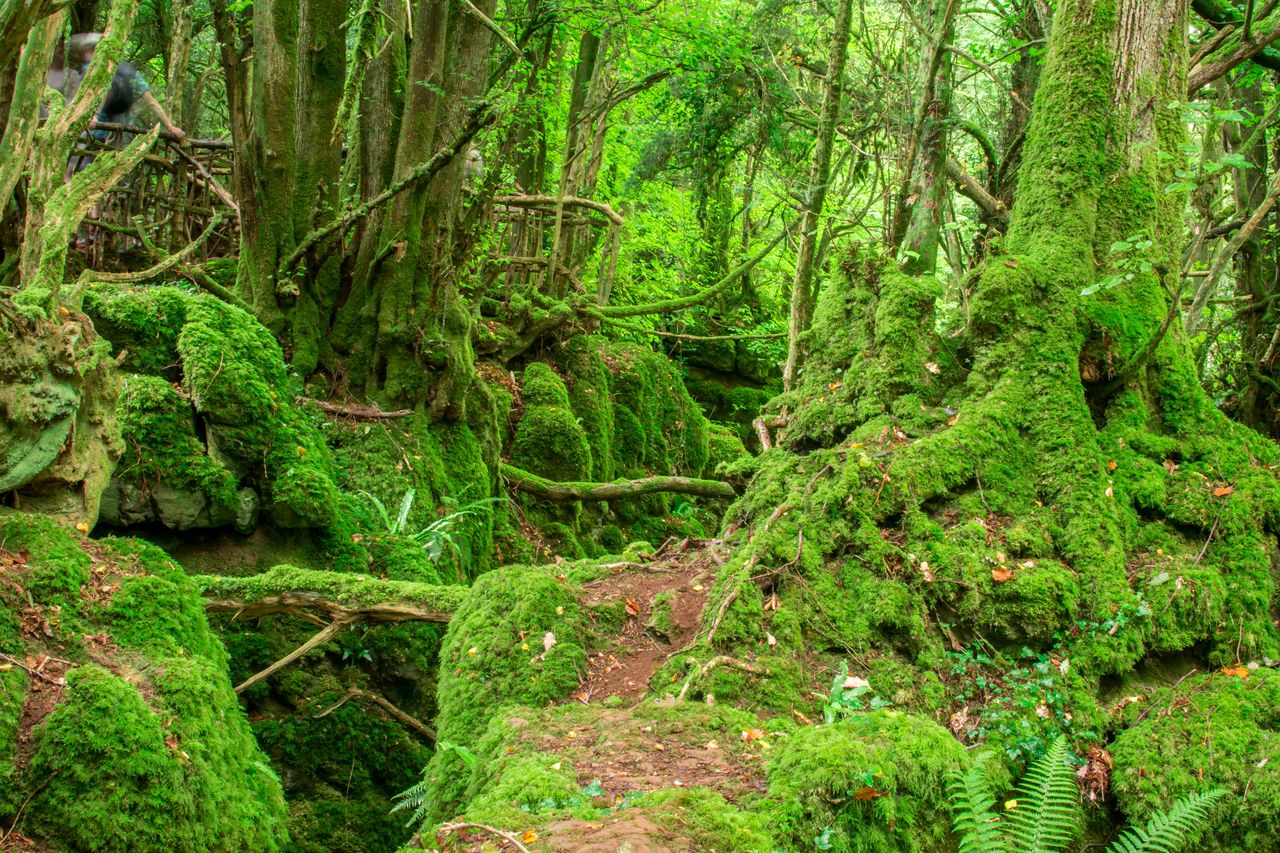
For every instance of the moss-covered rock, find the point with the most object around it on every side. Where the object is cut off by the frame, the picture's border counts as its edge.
(517, 638)
(1210, 731)
(145, 747)
(549, 439)
(873, 782)
(59, 439)
(227, 437)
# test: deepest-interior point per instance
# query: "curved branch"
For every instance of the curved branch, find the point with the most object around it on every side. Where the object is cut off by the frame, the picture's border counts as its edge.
(481, 116)
(668, 305)
(567, 201)
(563, 492)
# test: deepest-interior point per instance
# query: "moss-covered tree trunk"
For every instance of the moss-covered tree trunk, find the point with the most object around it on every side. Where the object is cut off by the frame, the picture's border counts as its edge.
(1029, 480)
(289, 171)
(402, 334)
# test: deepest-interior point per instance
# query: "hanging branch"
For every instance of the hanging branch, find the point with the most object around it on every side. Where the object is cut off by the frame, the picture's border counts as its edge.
(480, 117)
(492, 27)
(1247, 50)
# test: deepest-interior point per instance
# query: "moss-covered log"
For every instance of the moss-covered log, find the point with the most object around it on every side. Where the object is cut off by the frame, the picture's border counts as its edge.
(563, 492)
(342, 597)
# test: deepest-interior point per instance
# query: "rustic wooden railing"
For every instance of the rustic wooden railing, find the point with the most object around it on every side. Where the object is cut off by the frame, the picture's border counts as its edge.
(163, 205)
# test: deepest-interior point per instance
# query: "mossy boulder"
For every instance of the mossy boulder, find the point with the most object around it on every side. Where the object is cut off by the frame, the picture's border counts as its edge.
(549, 440)
(59, 439)
(141, 744)
(1217, 730)
(873, 782)
(517, 638)
(209, 418)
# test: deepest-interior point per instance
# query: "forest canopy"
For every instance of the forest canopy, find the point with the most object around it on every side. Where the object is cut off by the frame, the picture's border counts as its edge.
(714, 425)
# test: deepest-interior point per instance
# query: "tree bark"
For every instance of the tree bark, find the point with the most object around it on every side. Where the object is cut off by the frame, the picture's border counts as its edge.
(803, 291)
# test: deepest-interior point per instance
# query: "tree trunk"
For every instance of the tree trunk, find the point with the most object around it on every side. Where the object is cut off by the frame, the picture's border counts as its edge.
(803, 291)
(1077, 416)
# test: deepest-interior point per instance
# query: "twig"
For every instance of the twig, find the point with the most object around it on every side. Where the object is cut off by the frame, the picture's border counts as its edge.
(504, 835)
(323, 636)
(363, 413)
(56, 682)
(385, 704)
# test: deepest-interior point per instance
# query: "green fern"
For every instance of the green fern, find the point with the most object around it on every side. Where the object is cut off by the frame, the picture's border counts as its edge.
(1044, 816)
(1047, 814)
(973, 811)
(1166, 832)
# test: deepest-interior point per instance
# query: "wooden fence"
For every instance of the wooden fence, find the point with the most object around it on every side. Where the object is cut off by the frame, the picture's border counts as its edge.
(163, 205)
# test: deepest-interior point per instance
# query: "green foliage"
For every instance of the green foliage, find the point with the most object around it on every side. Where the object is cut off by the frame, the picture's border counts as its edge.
(1212, 731)
(1047, 816)
(1044, 814)
(1168, 831)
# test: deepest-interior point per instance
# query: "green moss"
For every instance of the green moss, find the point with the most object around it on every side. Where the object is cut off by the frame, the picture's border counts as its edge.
(58, 567)
(142, 325)
(551, 443)
(816, 775)
(1214, 730)
(496, 653)
(590, 401)
(724, 449)
(703, 818)
(148, 748)
(337, 803)
(165, 457)
(13, 694)
(540, 386)
(673, 430)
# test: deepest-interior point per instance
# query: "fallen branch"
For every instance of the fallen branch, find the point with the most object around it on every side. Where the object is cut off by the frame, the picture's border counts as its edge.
(572, 491)
(503, 834)
(341, 596)
(360, 413)
(323, 636)
(383, 703)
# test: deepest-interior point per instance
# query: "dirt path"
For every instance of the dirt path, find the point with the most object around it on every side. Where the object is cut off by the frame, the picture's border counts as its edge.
(663, 599)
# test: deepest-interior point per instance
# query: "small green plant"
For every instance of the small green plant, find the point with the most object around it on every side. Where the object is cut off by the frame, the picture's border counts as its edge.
(436, 536)
(1044, 814)
(849, 696)
(415, 796)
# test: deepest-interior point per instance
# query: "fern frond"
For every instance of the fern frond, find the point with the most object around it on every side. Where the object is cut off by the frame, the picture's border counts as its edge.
(414, 797)
(1166, 831)
(406, 506)
(1047, 814)
(974, 822)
